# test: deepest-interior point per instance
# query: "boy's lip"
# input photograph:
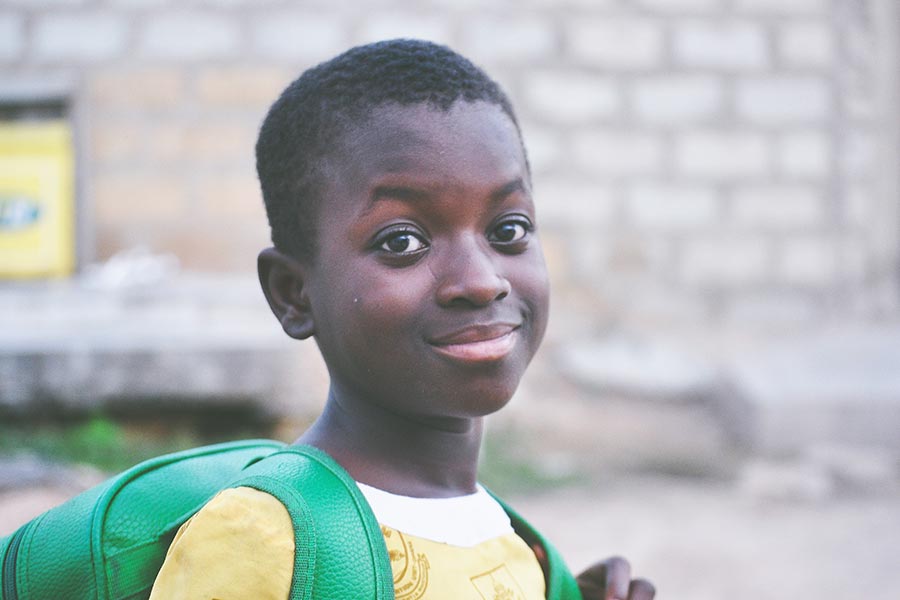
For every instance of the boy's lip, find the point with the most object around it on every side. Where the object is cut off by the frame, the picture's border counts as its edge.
(478, 343)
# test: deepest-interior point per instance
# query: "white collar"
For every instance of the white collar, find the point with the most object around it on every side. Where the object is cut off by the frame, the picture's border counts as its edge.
(461, 521)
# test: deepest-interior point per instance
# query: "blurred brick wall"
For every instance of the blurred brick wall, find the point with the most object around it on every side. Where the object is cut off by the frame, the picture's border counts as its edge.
(696, 161)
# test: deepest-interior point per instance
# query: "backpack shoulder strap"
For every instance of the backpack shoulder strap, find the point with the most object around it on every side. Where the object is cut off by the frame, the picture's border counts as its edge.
(339, 548)
(561, 584)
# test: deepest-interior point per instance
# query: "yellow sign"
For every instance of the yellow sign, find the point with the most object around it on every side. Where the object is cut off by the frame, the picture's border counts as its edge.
(37, 199)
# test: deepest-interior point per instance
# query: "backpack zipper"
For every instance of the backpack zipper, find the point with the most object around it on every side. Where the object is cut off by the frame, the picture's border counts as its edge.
(9, 565)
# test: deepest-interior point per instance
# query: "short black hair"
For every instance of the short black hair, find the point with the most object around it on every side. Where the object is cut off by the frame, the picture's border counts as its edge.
(307, 120)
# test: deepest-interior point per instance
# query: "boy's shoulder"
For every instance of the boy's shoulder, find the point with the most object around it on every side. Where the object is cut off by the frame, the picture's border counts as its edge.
(241, 543)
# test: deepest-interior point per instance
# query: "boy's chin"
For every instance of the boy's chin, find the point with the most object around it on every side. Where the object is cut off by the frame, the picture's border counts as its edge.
(469, 403)
(488, 403)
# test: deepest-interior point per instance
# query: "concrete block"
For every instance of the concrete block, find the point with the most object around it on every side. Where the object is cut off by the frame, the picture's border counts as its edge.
(853, 260)
(616, 152)
(804, 153)
(254, 88)
(680, 7)
(220, 141)
(571, 98)
(140, 4)
(234, 194)
(404, 25)
(631, 258)
(116, 140)
(780, 100)
(189, 36)
(858, 156)
(860, 103)
(785, 481)
(856, 468)
(555, 4)
(722, 154)
(567, 202)
(87, 37)
(677, 99)
(306, 36)
(773, 310)
(857, 203)
(170, 141)
(509, 39)
(723, 45)
(838, 386)
(858, 44)
(616, 42)
(661, 306)
(774, 206)
(228, 142)
(12, 36)
(174, 357)
(806, 44)
(671, 206)
(201, 142)
(725, 261)
(165, 143)
(457, 4)
(545, 147)
(137, 196)
(638, 366)
(46, 3)
(808, 261)
(230, 243)
(137, 90)
(780, 7)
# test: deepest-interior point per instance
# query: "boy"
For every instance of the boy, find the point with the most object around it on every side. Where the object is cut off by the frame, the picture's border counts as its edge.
(399, 197)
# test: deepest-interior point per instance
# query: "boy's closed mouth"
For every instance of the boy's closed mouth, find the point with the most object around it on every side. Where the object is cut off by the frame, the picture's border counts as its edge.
(478, 343)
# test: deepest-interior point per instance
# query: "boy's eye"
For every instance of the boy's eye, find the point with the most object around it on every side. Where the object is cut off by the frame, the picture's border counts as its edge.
(511, 231)
(403, 242)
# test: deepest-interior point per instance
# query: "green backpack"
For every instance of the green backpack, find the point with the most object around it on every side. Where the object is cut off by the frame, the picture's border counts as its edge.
(109, 542)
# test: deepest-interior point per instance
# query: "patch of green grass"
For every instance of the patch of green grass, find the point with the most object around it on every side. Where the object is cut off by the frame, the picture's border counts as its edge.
(98, 441)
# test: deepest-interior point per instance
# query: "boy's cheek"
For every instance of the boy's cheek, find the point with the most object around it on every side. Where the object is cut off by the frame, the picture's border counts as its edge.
(540, 295)
(387, 298)
(536, 282)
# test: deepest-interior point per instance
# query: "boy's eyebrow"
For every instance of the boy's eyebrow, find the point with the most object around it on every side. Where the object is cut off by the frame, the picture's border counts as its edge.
(516, 185)
(410, 194)
(398, 192)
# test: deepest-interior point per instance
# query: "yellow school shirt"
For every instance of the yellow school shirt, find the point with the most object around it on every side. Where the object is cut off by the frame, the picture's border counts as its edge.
(241, 545)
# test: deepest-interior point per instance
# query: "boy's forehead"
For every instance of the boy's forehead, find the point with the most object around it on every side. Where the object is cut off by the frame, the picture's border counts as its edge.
(395, 137)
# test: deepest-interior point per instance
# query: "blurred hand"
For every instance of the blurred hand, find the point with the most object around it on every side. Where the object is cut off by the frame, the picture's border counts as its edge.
(611, 580)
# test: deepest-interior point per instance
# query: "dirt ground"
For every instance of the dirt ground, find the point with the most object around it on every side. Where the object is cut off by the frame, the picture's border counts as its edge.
(701, 542)
(695, 540)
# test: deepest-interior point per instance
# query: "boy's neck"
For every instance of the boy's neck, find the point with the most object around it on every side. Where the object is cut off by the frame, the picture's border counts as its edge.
(426, 458)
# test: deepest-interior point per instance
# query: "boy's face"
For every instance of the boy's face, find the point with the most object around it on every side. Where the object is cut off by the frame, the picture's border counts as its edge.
(428, 293)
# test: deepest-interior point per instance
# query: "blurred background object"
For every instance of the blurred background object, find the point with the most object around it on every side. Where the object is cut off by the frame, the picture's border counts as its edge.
(36, 197)
(718, 186)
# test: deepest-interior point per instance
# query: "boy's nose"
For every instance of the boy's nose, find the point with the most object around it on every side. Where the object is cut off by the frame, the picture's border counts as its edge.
(471, 278)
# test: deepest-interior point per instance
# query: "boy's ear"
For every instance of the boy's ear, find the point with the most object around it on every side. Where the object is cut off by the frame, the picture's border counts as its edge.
(282, 278)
